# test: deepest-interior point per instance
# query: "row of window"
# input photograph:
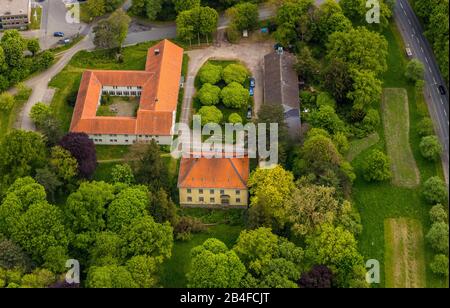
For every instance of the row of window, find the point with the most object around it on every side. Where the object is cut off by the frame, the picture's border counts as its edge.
(211, 200)
(115, 140)
(212, 191)
(129, 87)
(13, 18)
(12, 22)
(122, 93)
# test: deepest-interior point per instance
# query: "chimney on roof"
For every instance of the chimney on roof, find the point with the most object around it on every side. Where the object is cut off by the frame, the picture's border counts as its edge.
(157, 52)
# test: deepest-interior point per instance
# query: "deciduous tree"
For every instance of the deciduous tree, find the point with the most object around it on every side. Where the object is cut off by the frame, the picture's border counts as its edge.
(214, 266)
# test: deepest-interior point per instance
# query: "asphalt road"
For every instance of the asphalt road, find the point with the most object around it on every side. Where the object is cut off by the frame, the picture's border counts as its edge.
(39, 83)
(412, 33)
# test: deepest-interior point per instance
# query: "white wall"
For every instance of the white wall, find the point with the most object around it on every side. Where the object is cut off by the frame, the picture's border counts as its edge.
(108, 139)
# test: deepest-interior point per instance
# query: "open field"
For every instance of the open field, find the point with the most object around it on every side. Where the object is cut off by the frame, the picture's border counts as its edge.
(404, 255)
(359, 145)
(379, 201)
(396, 129)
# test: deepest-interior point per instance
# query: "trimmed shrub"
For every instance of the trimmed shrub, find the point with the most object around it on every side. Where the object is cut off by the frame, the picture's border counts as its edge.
(210, 73)
(235, 73)
(209, 94)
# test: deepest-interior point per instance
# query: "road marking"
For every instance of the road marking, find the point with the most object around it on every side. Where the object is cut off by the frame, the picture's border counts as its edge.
(409, 21)
(434, 79)
(417, 39)
(421, 48)
(401, 4)
(445, 112)
(404, 13)
(429, 68)
(426, 59)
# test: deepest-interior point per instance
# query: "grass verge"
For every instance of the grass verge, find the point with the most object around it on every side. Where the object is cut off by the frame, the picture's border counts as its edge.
(36, 16)
(8, 118)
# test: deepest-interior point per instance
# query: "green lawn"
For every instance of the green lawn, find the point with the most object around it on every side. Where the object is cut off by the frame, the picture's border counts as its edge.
(184, 73)
(396, 129)
(405, 261)
(359, 145)
(173, 271)
(36, 14)
(379, 201)
(9, 118)
(111, 152)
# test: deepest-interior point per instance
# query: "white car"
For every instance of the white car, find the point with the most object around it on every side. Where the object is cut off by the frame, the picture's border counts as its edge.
(408, 52)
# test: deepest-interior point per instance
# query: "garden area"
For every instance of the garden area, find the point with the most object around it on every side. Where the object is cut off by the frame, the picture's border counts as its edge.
(118, 106)
(223, 92)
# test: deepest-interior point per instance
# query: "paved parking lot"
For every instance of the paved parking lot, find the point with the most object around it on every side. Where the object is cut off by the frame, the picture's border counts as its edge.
(55, 17)
(251, 54)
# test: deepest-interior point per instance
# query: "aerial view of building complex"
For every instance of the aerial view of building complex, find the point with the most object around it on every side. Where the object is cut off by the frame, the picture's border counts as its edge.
(224, 148)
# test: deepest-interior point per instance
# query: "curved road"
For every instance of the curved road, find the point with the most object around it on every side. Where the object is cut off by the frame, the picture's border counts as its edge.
(412, 33)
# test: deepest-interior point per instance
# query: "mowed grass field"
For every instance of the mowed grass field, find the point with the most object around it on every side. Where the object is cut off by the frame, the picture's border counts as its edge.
(404, 256)
(396, 129)
(377, 202)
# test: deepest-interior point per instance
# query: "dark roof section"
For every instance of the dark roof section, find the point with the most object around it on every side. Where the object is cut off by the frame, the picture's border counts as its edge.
(281, 87)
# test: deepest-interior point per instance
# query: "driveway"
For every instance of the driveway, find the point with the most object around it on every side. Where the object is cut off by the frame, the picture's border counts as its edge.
(251, 54)
(39, 83)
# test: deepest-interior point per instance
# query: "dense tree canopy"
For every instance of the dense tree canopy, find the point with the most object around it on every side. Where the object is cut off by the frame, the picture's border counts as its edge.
(214, 266)
(269, 188)
(337, 249)
(272, 261)
(21, 153)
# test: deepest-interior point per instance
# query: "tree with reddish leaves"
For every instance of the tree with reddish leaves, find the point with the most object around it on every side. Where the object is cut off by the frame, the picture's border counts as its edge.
(319, 276)
(83, 149)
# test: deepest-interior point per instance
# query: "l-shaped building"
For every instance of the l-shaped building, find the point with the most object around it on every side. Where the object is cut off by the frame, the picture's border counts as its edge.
(157, 88)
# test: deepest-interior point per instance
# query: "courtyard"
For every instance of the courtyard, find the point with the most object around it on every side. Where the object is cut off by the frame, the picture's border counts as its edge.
(118, 106)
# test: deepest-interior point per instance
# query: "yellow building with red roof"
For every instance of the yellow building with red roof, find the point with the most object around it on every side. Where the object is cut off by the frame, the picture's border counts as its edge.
(214, 182)
(157, 88)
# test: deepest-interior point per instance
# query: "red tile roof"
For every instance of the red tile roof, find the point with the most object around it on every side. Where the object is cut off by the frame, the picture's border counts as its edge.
(159, 98)
(226, 173)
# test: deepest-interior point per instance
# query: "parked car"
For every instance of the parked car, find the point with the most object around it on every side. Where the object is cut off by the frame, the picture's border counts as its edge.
(252, 82)
(58, 34)
(408, 52)
(442, 90)
(249, 113)
(64, 41)
(252, 91)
